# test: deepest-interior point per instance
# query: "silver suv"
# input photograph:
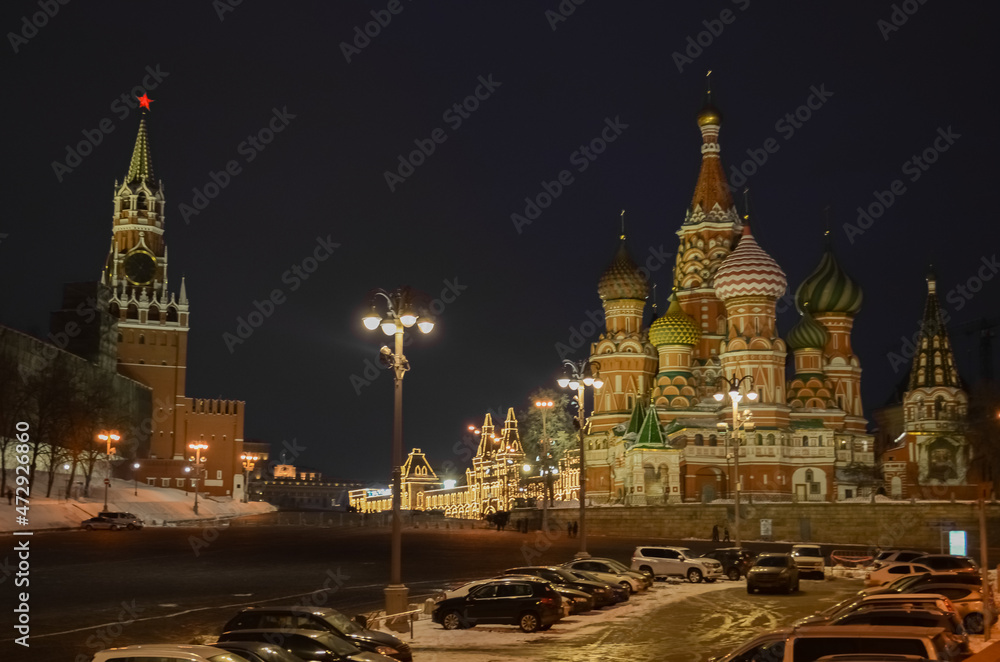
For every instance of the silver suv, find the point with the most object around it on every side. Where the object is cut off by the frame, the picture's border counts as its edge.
(809, 560)
(675, 562)
(123, 520)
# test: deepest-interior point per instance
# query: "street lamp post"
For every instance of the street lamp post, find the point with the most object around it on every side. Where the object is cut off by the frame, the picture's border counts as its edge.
(745, 421)
(546, 466)
(135, 477)
(197, 448)
(107, 437)
(248, 460)
(579, 375)
(400, 314)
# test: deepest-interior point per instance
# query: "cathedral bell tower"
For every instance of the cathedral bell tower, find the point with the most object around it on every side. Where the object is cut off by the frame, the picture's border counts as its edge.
(152, 321)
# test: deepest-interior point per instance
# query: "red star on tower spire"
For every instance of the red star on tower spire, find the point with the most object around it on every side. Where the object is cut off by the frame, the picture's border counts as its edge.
(144, 101)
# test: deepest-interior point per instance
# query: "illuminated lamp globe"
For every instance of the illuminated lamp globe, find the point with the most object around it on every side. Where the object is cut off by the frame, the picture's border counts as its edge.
(426, 325)
(408, 318)
(752, 395)
(388, 327)
(598, 382)
(564, 382)
(588, 381)
(371, 320)
(574, 385)
(718, 397)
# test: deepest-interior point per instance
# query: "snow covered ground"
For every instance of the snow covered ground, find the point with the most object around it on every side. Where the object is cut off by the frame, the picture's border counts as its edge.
(479, 644)
(157, 506)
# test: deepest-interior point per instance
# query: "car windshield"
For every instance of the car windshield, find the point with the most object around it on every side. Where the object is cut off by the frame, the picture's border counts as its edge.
(227, 657)
(617, 565)
(806, 551)
(336, 644)
(567, 575)
(771, 562)
(342, 623)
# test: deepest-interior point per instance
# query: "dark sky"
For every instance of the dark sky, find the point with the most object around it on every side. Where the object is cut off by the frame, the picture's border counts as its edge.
(888, 93)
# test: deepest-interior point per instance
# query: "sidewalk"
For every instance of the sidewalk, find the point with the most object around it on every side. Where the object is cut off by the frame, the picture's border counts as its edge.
(155, 505)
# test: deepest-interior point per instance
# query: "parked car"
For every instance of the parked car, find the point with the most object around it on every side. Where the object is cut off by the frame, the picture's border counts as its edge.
(767, 646)
(895, 556)
(947, 563)
(810, 560)
(618, 593)
(299, 617)
(256, 651)
(530, 604)
(124, 520)
(812, 642)
(911, 582)
(890, 572)
(773, 571)
(675, 562)
(735, 560)
(602, 596)
(968, 599)
(896, 615)
(309, 645)
(167, 653)
(633, 581)
(906, 600)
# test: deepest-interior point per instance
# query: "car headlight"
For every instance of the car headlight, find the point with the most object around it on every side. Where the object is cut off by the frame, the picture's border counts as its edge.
(386, 650)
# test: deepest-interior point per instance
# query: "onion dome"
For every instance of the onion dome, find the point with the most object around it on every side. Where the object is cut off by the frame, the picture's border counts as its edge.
(622, 279)
(749, 272)
(807, 334)
(828, 289)
(709, 114)
(675, 327)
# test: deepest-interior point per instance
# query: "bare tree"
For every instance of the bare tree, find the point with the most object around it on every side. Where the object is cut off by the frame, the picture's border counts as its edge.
(558, 428)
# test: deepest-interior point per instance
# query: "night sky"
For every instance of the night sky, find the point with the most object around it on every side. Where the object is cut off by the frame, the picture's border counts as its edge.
(548, 84)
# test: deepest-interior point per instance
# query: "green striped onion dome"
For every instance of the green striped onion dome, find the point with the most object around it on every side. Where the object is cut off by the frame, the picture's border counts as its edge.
(675, 327)
(622, 279)
(807, 334)
(829, 289)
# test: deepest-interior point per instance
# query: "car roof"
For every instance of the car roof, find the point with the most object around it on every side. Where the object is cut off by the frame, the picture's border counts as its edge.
(291, 608)
(312, 634)
(762, 554)
(882, 631)
(190, 650)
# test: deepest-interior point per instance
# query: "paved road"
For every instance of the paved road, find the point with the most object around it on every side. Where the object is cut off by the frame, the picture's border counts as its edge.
(92, 590)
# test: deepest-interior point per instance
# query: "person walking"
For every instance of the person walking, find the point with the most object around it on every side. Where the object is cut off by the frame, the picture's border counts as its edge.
(727, 534)
(10, 497)
(715, 533)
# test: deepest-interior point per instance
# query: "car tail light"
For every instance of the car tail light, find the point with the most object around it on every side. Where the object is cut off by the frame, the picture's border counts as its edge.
(548, 601)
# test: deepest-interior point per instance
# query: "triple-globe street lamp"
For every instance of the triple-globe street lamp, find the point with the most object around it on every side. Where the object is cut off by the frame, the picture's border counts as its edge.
(108, 437)
(248, 461)
(744, 420)
(579, 375)
(401, 313)
(197, 447)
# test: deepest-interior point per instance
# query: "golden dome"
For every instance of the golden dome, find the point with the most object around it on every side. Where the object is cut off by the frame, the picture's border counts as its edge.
(675, 327)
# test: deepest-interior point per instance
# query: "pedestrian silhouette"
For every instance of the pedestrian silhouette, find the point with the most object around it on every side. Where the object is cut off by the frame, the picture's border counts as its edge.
(10, 497)
(727, 534)
(715, 533)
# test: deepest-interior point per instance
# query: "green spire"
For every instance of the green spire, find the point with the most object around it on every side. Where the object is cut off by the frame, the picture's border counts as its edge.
(141, 166)
(650, 436)
(635, 422)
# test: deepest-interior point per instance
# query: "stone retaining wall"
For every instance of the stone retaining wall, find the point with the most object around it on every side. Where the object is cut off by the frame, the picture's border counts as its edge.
(885, 524)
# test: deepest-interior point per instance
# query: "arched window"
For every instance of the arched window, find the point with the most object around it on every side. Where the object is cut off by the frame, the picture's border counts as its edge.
(805, 441)
(770, 440)
(759, 441)
(809, 475)
(712, 441)
(699, 440)
(142, 339)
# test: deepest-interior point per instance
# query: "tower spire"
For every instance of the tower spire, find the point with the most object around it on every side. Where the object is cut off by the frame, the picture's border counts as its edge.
(712, 198)
(622, 237)
(934, 361)
(140, 168)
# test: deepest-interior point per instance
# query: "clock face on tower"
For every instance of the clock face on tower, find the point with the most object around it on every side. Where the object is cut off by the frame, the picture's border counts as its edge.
(140, 267)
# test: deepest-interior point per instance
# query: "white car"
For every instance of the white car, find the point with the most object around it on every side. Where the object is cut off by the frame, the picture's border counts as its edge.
(809, 560)
(612, 572)
(167, 653)
(675, 562)
(893, 571)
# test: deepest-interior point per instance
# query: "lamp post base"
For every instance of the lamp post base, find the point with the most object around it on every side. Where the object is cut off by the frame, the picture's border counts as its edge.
(397, 600)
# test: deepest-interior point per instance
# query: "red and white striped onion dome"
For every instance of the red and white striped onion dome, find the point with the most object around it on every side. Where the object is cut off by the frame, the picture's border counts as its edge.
(749, 272)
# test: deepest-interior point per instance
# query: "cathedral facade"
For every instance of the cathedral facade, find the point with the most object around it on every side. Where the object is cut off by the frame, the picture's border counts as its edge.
(655, 434)
(153, 324)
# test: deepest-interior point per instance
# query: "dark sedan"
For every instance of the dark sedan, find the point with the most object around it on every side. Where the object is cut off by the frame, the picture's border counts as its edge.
(256, 651)
(599, 592)
(292, 617)
(736, 561)
(308, 645)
